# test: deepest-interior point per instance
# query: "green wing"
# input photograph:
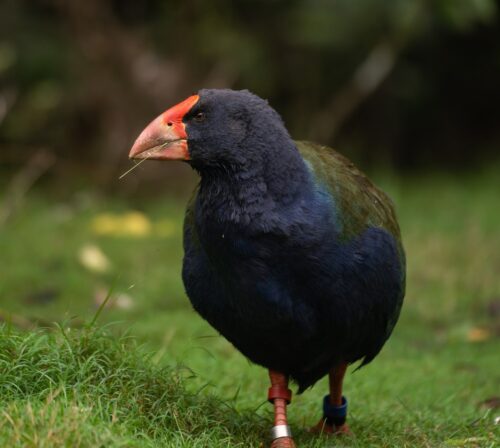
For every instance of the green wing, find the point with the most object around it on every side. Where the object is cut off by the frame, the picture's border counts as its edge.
(359, 203)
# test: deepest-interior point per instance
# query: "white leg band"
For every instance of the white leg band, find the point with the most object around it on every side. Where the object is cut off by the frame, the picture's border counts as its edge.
(279, 431)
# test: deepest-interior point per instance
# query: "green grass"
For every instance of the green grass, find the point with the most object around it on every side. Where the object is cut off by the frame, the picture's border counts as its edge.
(425, 389)
(86, 388)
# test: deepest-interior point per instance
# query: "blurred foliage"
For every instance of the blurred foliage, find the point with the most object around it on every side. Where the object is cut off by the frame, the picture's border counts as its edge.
(407, 83)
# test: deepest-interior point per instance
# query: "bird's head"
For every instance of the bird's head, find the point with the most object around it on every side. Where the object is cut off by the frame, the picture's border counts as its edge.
(214, 128)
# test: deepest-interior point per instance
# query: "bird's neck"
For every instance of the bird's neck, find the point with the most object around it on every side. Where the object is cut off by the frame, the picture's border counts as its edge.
(246, 194)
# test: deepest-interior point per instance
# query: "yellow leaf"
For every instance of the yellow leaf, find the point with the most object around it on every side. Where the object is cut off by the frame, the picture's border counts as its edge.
(131, 224)
(92, 258)
(104, 224)
(135, 224)
(477, 334)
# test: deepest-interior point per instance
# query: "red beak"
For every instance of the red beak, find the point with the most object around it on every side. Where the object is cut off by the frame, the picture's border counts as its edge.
(165, 138)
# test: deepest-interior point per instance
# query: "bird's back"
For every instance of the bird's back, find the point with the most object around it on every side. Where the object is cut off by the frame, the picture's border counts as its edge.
(359, 203)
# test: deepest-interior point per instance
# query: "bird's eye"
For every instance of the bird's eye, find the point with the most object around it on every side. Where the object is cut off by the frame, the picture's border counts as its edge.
(200, 116)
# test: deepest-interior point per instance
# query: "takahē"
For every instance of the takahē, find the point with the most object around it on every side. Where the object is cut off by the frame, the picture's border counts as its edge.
(291, 252)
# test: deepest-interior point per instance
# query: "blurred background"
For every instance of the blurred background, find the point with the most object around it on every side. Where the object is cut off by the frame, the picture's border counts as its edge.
(410, 85)
(408, 89)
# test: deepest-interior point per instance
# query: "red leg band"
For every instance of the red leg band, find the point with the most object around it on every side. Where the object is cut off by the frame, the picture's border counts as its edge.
(278, 391)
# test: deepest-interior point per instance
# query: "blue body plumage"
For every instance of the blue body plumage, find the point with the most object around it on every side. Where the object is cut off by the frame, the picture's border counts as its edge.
(291, 253)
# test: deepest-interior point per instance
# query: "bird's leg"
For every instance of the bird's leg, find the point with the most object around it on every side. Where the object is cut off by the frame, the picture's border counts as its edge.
(334, 405)
(280, 396)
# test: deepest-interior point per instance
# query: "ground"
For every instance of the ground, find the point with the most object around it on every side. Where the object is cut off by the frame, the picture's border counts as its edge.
(82, 385)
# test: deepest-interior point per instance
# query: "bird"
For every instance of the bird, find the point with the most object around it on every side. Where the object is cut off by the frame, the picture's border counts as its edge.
(290, 251)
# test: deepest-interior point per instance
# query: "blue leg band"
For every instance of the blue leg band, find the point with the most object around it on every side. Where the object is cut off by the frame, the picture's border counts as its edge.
(334, 415)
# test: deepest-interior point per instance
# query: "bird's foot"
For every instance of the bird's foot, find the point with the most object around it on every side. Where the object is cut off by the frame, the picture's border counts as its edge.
(283, 442)
(322, 427)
